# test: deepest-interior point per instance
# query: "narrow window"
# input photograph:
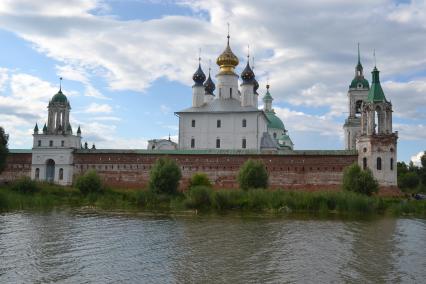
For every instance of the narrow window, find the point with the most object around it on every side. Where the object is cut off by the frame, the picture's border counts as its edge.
(37, 173)
(218, 123)
(217, 143)
(193, 123)
(61, 174)
(379, 163)
(244, 123)
(391, 164)
(62, 143)
(192, 143)
(39, 143)
(230, 93)
(275, 135)
(50, 143)
(364, 163)
(244, 143)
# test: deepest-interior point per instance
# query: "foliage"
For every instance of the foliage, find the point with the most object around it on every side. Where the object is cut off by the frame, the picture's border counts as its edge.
(25, 185)
(164, 176)
(408, 180)
(200, 179)
(198, 197)
(357, 180)
(90, 183)
(3, 148)
(412, 178)
(253, 174)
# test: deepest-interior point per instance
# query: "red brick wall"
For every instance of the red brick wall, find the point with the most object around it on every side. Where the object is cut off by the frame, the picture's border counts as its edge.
(16, 165)
(289, 171)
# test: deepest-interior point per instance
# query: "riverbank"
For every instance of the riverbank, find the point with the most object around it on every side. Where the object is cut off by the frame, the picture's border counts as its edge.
(203, 199)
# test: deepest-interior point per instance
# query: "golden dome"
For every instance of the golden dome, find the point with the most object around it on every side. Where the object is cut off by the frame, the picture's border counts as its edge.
(227, 61)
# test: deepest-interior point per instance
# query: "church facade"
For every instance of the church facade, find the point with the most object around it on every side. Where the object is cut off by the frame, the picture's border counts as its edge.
(221, 130)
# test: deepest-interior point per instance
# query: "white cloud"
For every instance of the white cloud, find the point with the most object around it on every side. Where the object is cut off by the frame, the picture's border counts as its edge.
(98, 108)
(416, 158)
(4, 77)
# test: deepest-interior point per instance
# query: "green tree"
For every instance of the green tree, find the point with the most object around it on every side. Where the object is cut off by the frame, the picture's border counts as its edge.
(408, 180)
(4, 138)
(253, 174)
(25, 185)
(357, 180)
(199, 179)
(164, 176)
(90, 182)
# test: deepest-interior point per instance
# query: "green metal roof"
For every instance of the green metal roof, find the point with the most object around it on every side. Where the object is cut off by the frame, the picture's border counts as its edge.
(359, 81)
(267, 96)
(274, 121)
(20, 151)
(59, 98)
(376, 93)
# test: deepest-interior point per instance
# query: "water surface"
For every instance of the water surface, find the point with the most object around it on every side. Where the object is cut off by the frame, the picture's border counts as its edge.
(87, 247)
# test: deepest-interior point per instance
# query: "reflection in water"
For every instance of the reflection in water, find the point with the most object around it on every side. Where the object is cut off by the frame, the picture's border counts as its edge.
(84, 247)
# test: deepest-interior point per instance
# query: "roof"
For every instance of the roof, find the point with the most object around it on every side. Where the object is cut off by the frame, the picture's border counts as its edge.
(274, 121)
(359, 81)
(20, 151)
(376, 93)
(59, 98)
(221, 106)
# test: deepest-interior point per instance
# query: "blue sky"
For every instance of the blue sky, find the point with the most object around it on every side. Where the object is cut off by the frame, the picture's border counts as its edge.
(127, 65)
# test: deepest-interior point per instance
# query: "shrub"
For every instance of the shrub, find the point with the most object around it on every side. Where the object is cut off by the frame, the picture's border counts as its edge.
(199, 179)
(3, 148)
(360, 181)
(199, 197)
(164, 176)
(25, 185)
(408, 180)
(253, 174)
(89, 183)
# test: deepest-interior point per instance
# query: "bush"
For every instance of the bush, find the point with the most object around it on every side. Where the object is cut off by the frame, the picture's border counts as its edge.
(408, 180)
(89, 183)
(360, 181)
(253, 174)
(164, 176)
(25, 185)
(200, 179)
(198, 197)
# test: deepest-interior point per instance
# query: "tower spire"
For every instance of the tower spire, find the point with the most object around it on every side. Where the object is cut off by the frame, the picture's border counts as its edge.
(228, 33)
(60, 84)
(359, 57)
(374, 55)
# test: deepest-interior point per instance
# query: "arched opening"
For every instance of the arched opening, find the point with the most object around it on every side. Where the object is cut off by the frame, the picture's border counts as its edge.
(379, 164)
(275, 135)
(244, 122)
(391, 164)
(37, 174)
(50, 170)
(61, 174)
(364, 163)
(358, 105)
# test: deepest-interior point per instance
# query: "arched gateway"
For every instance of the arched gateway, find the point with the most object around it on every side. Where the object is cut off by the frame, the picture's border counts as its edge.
(50, 170)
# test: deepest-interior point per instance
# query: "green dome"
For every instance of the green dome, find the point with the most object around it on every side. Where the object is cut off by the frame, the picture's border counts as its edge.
(59, 98)
(362, 82)
(274, 121)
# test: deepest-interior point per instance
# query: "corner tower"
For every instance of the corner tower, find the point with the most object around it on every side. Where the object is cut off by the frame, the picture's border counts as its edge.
(52, 152)
(376, 144)
(357, 94)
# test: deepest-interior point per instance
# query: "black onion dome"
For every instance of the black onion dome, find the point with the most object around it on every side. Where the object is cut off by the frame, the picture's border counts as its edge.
(247, 75)
(199, 77)
(209, 86)
(256, 85)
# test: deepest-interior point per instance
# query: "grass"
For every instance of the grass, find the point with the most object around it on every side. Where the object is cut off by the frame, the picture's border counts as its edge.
(204, 199)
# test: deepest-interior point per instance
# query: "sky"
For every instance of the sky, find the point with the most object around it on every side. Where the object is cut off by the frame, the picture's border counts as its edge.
(127, 65)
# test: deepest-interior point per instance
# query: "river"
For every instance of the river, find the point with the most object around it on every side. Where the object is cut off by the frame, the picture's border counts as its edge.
(72, 246)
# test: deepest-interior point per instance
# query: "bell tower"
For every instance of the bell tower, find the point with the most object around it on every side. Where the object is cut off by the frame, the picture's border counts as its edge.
(376, 143)
(357, 94)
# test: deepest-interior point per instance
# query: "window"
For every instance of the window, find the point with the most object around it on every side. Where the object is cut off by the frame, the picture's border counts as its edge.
(218, 123)
(391, 164)
(379, 163)
(275, 135)
(37, 173)
(244, 123)
(218, 143)
(62, 143)
(193, 123)
(230, 93)
(39, 143)
(192, 143)
(364, 163)
(61, 174)
(244, 143)
(50, 143)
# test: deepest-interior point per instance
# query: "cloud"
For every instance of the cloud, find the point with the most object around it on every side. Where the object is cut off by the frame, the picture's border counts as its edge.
(416, 158)
(165, 109)
(98, 108)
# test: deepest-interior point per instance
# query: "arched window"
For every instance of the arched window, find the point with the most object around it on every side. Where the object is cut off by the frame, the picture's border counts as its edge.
(61, 174)
(39, 143)
(192, 143)
(358, 105)
(218, 123)
(391, 164)
(37, 173)
(217, 143)
(379, 163)
(193, 123)
(244, 122)
(364, 163)
(244, 143)
(275, 135)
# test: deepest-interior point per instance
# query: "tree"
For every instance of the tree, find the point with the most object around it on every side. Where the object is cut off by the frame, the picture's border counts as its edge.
(357, 180)
(199, 179)
(164, 176)
(423, 160)
(408, 180)
(253, 174)
(4, 138)
(90, 182)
